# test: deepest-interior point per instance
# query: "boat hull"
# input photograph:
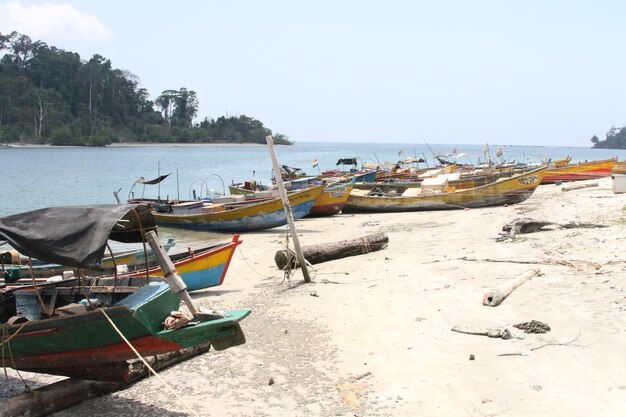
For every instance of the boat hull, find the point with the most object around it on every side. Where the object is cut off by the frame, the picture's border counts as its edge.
(509, 191)
(87, 346)
(579, 171)
(257, 216)
(331, 201)
(204, 269)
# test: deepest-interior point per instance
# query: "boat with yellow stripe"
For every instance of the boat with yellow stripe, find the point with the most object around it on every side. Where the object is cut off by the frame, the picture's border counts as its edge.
(579, 171)
(239, 215)
(202, 268)
(504, 191)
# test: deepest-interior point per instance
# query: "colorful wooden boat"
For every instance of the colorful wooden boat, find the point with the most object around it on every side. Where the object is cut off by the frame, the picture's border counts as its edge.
(241, 216)
(579, 171)
(203, 268)
(200, 268)
(332, 200)
(82, 342)
(85, 345)
(505, 191)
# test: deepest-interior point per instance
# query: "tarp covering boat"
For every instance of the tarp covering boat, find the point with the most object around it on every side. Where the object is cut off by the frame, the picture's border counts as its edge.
(346, 161)
(291, 171)
(75, 236)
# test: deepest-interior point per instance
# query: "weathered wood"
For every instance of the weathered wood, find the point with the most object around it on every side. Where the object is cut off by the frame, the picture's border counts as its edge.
(315, 254)
(60, 395)
(579, 186)
(494, 297)
(292, 225)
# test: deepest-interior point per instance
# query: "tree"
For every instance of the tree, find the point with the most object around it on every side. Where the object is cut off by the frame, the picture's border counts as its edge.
(595, 140)
(185, 107)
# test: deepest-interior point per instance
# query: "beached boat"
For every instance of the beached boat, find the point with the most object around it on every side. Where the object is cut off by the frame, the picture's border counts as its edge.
(200, 268)
(504, 191)
(239, 215)
(86, 345)
(332, 199)
(83, 342)
(579, 171)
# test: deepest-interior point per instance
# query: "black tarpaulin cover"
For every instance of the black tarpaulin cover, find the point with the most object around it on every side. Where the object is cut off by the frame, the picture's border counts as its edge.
(142, 180)
(347, 161)
(75, 236)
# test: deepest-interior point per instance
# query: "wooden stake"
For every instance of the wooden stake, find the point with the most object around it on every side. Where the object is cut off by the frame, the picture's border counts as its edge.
(169, 272)
(287, 207)
(494, 297)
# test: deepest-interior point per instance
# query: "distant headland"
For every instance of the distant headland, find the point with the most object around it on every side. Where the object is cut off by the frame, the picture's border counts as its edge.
(52, 97)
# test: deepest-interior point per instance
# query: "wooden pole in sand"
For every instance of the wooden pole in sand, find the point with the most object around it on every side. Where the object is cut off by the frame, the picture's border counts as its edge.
(494, 297)
(169, 272)
(287, 207)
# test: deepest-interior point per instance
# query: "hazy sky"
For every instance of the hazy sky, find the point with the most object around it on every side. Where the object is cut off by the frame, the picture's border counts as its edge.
(507, 72)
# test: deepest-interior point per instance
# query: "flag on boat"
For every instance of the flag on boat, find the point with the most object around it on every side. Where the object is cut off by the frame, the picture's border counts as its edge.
(454, 151)
(314, 163)
(499, 152)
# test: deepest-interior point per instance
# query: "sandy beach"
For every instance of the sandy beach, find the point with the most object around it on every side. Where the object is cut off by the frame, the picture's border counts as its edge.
(372, 335)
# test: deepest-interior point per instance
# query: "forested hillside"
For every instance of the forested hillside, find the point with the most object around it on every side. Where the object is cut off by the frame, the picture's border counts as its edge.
(52, 96)
(615, 139)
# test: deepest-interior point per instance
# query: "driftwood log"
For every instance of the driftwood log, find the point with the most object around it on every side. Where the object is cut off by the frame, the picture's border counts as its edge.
(315, 254)
(579, 186)
(493, 298)
(60, 395)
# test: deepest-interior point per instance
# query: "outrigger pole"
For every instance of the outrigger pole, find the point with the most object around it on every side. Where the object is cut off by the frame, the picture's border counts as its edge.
(288, 213)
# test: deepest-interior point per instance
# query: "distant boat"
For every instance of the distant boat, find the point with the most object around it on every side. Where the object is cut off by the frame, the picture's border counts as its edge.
(504, 191)
(579, 171)
(238, 215)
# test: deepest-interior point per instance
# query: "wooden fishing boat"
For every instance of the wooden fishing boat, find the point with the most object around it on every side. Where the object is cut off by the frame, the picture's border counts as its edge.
(85, 345)
(579, 171)
(199, 268)
(83, 342)
(332, 199)
(242, 215)
(134, 259)
(504, 191)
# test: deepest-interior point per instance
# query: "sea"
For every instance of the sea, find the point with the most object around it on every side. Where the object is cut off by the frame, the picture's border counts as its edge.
(38, 177)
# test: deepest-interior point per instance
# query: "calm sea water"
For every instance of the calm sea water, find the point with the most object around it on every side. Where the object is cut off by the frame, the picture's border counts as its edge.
(41, 177)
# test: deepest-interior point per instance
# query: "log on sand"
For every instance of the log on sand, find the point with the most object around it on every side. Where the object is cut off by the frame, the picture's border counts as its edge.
(60, 395)
(573, 187)
(315, 254)
(494, 297)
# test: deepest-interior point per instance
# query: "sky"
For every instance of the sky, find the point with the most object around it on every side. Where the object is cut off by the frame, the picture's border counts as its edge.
(460, 72)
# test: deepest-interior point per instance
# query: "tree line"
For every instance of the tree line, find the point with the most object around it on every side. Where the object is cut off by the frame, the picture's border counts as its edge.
(615, 139)
(52, 96)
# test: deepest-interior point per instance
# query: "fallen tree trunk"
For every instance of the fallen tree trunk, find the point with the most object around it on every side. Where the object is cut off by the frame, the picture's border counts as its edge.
(494, 297)
(60, 395)
(315, 254)
(573, 187)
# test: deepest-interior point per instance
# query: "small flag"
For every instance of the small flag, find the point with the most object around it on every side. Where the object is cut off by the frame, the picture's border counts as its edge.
(454, 151)
(314, 163)
(400, 152)
(499, 152)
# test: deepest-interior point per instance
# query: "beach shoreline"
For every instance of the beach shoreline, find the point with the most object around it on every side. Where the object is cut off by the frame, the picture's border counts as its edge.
(372, 335)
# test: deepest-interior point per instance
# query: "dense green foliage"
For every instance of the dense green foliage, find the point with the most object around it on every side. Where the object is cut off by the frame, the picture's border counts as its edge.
(615, 139)
(48, 95)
